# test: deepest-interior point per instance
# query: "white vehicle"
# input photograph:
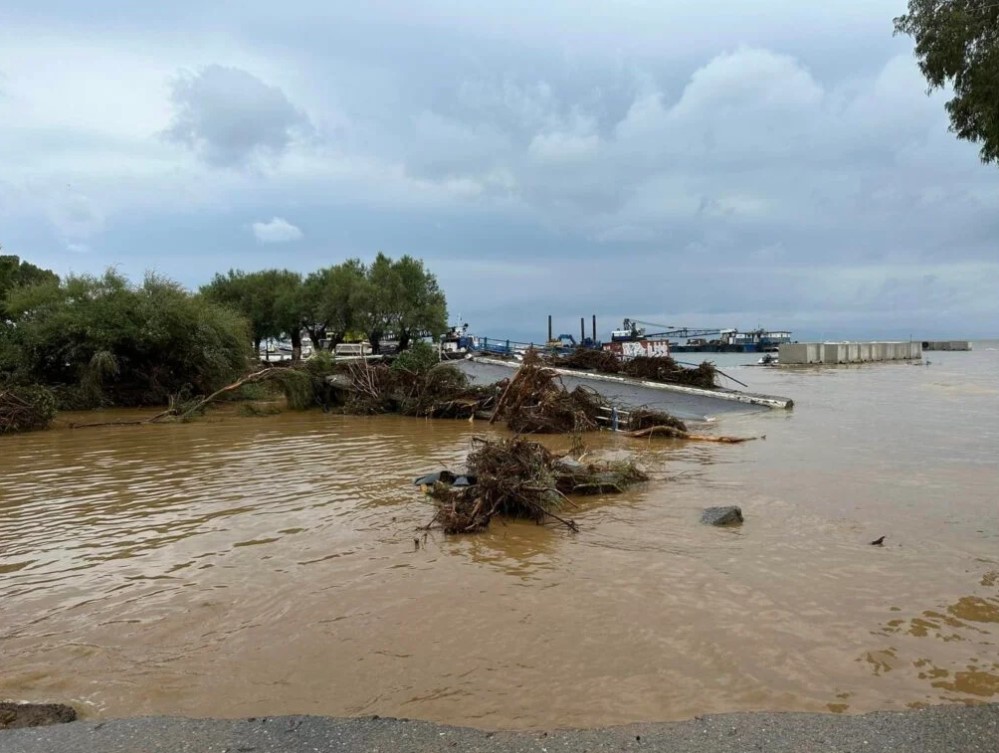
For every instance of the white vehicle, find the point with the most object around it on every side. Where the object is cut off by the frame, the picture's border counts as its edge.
(355, 350)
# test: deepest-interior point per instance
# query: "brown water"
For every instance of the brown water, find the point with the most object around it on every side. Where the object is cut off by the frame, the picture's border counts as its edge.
(249, 566)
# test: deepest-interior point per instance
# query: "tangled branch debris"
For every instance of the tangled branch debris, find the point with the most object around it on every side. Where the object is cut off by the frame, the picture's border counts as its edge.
(519, 478)
(665, 369)
(24, 408)
(535, 401)
(672, 432)
(590, 359)
(442, 391)
(653, 368)
(643, 418)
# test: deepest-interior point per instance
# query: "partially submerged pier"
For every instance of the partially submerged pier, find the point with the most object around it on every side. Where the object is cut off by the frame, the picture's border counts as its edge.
(946, 345)
(705, 395)
(795, 354)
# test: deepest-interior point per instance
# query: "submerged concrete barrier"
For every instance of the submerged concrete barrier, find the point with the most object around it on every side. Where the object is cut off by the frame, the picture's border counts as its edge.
(946, 345)
(848, 352)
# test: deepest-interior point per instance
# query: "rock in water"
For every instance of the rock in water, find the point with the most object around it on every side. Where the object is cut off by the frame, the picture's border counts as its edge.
(722, 516)
(14, 715)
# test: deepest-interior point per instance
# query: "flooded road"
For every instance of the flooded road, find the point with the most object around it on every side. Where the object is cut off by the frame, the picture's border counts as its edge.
(249, 566)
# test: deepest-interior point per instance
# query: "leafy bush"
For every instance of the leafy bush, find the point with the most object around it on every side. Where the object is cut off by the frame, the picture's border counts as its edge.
(418, 359)
(100, 340)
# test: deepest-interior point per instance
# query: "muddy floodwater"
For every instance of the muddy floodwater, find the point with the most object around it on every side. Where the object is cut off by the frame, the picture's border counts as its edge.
(246, 566)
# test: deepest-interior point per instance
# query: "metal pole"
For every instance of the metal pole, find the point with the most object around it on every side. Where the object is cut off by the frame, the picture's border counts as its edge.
(549, 328)
(594, 329)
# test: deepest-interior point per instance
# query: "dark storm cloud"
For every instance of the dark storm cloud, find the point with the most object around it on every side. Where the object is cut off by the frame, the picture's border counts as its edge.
(232, 118)
(723, 163)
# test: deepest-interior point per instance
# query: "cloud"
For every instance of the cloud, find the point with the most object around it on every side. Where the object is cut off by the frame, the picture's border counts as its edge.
(231, 118)
(75, 216)
(783, 165)
(278, 230)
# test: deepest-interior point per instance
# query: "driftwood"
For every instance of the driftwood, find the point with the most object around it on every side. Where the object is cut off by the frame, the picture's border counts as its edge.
(674, 433)
(256, 376)
(517, 478)
(174, 414)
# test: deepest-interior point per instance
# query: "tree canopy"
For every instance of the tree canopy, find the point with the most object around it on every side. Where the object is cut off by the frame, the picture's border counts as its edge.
(15, 273)
(269, 299)
(957, 43)
(101, 340)
(399, 298)
(334, 299)
(403, 298)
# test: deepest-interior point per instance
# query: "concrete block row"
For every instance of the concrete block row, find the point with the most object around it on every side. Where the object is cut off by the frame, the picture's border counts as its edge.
(849, 352)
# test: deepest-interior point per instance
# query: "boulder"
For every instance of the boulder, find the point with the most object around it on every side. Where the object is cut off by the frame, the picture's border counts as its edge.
(722, 516)
(14, 715)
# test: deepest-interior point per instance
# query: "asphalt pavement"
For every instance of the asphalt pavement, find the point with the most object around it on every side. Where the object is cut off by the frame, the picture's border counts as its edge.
(938, 729)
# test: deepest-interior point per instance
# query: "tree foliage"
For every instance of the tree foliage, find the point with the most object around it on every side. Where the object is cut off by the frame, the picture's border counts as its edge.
(402, 298)
(15, 273)
(399, 298)
(334, 299)
(101, 340)
(271, 300)
(957, 43)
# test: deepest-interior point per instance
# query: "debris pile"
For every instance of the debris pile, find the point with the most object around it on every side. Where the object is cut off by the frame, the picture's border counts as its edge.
(14, 715)
(519, 478)
(438, 392)
(643, 418)
(653, 368)
(590, 359)
(665, 369)
(23, 408)
(535, 401)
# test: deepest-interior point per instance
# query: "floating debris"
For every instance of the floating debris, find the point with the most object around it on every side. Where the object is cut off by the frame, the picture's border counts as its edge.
(643, 418)
(519, 478)
(23, 408)
(535, 401)
(15, 715)
(671, 432)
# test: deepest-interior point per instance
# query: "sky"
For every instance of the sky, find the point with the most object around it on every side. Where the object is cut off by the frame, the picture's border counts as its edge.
(714, 164)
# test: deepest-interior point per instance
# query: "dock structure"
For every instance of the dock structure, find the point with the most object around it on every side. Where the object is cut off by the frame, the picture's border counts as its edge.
(946, 345)
(794, 354)
(749, 398)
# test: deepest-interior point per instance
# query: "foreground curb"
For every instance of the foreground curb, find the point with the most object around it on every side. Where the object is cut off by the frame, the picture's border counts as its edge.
(938, 729)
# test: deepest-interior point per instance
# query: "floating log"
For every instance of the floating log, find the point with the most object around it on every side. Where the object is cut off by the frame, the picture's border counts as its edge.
(673, 433)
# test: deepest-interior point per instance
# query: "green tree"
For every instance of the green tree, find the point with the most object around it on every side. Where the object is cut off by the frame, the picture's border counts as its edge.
(957, 42)
(422, 306)
(289, 304)
(334, 298)
(15, 273)
(272, 301)
(404, 299)
(378, 301)
(101, 340)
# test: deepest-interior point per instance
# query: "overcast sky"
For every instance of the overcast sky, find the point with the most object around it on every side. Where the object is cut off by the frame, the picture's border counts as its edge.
(721, 163)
